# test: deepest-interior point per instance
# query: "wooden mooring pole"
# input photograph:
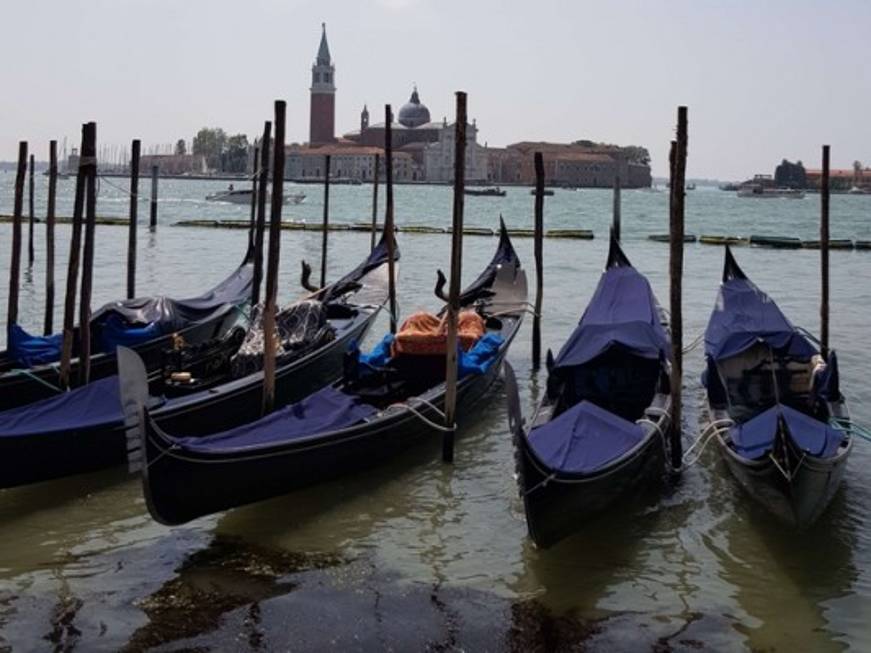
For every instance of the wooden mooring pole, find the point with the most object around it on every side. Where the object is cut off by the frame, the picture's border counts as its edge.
(30, 215)
(48, 326)
(73, 268)
(269, 343)
(824, 255)
(324, 238)
(453, 308)
(134, 213)
(615, 219)
(152, 220)
(375, 203)
(388, 216)
(253, 219)
(678, 161)
(260, 227)
(538, 247)
(89, 155)
(15, 264)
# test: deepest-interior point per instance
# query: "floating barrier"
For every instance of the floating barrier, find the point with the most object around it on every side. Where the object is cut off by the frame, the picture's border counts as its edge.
(423, 229)
(583, 234)
(778, 242)
(118, 222)
(841, 243)
(665, 238)
(863, 244)
(723, 240)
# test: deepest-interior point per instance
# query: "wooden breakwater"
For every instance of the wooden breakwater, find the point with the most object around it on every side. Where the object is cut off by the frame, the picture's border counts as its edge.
(774, 242)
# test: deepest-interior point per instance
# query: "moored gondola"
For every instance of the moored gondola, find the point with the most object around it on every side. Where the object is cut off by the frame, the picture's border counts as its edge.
(29, 367)
(386, 403)
(83, 430)
(599, 433)
(775, 405)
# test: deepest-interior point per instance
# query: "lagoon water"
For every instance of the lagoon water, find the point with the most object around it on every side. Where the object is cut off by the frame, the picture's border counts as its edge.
(416, 554)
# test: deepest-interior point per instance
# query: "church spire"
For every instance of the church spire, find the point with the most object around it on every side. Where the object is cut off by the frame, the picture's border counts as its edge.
(324, 49)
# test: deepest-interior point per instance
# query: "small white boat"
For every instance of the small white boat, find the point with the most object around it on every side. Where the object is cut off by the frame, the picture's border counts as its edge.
(759, 191)
(243, 196)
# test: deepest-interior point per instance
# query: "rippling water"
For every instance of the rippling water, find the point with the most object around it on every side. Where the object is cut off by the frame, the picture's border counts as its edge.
(695, 564)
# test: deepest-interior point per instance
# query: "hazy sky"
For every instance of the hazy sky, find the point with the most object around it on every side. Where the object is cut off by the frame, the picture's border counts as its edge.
(763, 80)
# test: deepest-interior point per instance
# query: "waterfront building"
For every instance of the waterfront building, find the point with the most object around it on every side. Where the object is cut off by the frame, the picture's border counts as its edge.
(322, 110)
(347, 163)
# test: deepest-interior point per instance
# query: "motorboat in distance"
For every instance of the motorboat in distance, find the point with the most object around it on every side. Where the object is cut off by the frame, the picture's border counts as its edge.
(243, 196)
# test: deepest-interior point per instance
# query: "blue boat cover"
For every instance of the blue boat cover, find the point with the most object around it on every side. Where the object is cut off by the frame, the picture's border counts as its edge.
(326, 410)
(828, 387)
(584, 439)
(96, 404)
(755, 438)
(29, 350)
(744, 316)
(477, 360)
(115, 332)
(622, 312)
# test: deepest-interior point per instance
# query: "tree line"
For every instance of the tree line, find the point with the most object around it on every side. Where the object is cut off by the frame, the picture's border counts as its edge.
(222, 152)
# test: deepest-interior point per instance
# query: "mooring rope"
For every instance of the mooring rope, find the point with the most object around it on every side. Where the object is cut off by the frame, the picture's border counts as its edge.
(714, 428)
(36, 378)
(850, 427)
(423, 418)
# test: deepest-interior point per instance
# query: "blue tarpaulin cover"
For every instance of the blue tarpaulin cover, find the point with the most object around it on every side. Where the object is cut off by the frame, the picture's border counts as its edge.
(116, 332)
(29, 350)
(327, 410)
(584, 439)
(755, 438)
(477, 360)
(622, 312)
(94, 405)
(743, 316)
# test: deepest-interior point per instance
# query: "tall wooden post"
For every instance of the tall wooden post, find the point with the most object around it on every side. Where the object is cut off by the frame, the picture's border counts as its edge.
(15, 264)
(615, 221)
(73, 267)
(538, 246)
(152, 221)
(678, 162)
(269, 343)
(89, 156)
(389, 225)
(30, 214)
(134, 212)
(326, 224)
(48, 326)
(375, 203)
(824, 255)
(260, 227)
(253, 219)
(453, 308)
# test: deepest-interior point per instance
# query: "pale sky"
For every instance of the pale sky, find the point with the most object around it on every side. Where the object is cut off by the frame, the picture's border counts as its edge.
(763, 80)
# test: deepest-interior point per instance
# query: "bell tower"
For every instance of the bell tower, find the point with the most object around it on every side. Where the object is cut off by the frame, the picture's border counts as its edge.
(322, 112)
(364, 118)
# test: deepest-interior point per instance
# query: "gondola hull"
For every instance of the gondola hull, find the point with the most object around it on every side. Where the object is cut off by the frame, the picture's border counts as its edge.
(798, 502)
(40, 457)
(182, 487)
(559, 506)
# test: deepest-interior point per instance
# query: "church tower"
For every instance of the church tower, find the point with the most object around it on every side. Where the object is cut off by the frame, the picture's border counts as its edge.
(322, 113)
(364, 118)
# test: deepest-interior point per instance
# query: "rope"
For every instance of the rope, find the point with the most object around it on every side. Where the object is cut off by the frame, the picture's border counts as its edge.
(850, 427)
(714, 428)
(785, 473)
(695, 343)
(33, 376)
(541, 484)
(424, 419)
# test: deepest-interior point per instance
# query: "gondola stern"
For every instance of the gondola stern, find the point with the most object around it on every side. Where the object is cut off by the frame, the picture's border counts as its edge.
(731, 269)
(616, 257)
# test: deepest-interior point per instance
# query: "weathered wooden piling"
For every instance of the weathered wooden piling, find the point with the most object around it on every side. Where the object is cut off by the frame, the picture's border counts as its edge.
(15, 264)
(48, 326)
(538, 246)
(375, 203)
(453, 307)
(269, 343)
(389, 224)
(615, 218)
(134, 213)
(677, 160)
(326, 230)
(31, 218)
(90, 158)
(73, 268)
(152, 220)
(260, 227)
(824, 255)
(253, 219)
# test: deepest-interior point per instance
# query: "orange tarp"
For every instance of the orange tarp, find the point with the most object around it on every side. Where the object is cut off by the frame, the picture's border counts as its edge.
(424, 333)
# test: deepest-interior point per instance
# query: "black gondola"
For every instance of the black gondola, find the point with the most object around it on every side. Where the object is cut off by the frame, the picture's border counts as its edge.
(369, 416)
(83, 430)
(599, 433)
(776, 407)
(29, 370)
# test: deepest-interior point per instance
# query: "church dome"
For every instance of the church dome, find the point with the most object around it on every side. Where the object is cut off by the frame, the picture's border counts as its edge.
(413, 113)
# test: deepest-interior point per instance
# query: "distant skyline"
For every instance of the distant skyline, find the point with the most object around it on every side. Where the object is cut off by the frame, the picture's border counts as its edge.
(763, 81)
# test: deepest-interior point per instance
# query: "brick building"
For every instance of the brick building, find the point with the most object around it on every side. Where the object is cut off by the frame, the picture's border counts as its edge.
(322, 109)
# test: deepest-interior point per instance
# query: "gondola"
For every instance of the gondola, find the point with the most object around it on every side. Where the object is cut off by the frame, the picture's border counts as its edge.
(83, 430)
(775, 406)
(384, 404)
(598, 434)
(30, 368)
